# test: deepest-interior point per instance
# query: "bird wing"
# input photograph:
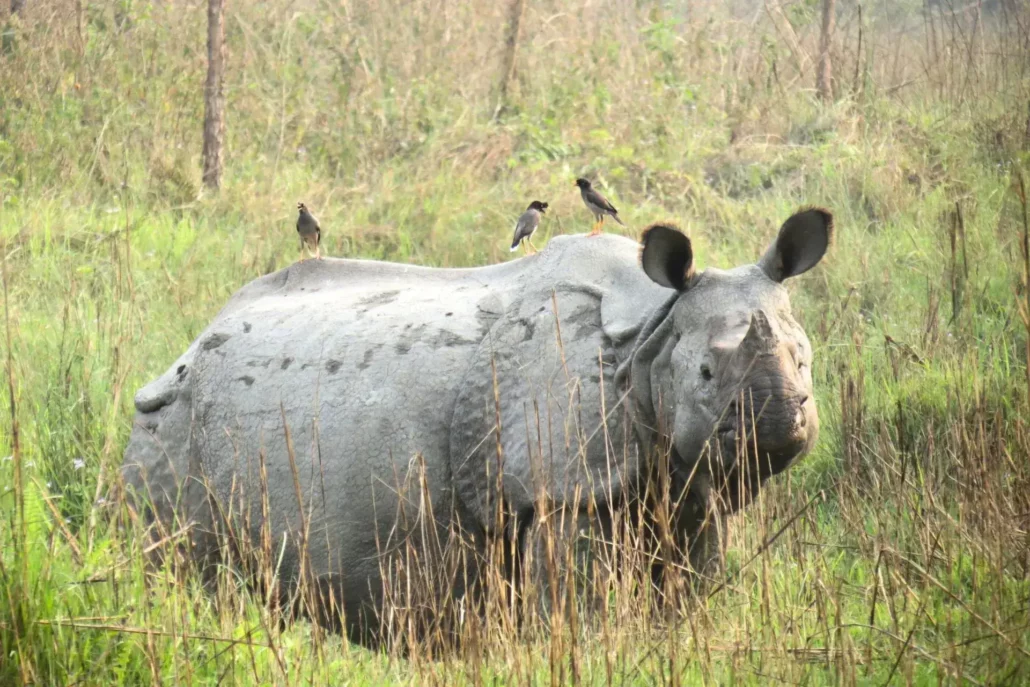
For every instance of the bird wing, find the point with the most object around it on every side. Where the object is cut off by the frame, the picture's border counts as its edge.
(525, 226)
(600, 201)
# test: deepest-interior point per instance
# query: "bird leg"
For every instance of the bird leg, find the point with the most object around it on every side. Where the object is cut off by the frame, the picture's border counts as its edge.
(318, 251)
(597, 227)
(531, 246)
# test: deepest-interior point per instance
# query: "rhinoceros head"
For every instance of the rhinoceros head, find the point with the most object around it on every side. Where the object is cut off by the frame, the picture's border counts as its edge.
(723, 368)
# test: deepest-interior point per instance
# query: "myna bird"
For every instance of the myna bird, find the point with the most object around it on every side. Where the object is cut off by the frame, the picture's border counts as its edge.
(309, 230)
(527, 224)
(597, 204)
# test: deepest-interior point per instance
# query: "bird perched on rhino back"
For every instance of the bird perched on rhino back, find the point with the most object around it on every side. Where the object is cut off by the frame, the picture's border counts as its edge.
(527, 224)
(309, 230)
(597, 204)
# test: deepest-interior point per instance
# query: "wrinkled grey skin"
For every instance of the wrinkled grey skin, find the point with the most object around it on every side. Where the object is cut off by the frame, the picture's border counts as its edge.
(377, 369)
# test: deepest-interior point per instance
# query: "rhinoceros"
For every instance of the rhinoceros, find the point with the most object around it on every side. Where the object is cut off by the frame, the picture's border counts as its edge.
(545, 387)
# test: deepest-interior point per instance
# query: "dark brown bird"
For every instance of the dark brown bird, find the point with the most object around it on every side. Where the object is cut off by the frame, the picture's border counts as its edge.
(527, 224)
(598, 205)
(309, 230)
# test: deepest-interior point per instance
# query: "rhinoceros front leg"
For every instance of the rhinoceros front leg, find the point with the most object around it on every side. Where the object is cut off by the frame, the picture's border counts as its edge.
(699, 535)
(567, 565)
(705, 551)
(686, 532)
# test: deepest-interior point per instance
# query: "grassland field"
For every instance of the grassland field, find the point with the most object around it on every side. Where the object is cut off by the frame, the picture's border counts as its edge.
(910, 560)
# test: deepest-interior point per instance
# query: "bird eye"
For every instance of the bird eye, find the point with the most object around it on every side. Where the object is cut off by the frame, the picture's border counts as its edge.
(706, 373)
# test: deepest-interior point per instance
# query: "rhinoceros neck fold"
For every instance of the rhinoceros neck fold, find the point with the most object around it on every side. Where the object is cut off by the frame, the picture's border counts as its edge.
(633, 373)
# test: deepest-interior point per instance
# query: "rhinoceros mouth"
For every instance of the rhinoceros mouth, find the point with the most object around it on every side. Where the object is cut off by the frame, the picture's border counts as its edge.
(740, 463)
(767, 458)
(776, 439)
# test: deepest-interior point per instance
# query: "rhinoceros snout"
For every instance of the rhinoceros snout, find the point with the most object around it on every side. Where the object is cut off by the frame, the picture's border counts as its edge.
(161, 392)
(156, 458)
(774, 424)
(753, 448)
(152, 400)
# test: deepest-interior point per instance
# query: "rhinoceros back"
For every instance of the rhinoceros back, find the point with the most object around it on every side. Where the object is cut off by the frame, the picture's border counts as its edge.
(355, 379)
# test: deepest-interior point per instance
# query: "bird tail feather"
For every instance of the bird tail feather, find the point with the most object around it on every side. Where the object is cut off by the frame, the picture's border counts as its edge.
(616, 218)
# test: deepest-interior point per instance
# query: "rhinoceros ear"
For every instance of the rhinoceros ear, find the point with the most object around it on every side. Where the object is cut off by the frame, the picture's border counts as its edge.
(801, 243)
(667, 257)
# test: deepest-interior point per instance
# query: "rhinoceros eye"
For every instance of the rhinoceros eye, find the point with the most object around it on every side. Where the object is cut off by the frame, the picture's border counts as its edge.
(706, 372)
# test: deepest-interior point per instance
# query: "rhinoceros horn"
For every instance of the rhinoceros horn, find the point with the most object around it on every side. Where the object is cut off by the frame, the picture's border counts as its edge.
(760, 336)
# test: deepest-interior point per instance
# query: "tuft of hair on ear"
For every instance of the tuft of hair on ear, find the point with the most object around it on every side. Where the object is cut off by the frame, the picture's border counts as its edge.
(667, 256)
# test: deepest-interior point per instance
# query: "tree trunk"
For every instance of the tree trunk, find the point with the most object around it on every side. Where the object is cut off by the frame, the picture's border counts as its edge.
(824, 72)
(518, 8)
(214, 96)
(17, 6)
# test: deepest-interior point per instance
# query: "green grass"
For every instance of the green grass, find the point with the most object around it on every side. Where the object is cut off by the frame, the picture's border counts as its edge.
(913, 562)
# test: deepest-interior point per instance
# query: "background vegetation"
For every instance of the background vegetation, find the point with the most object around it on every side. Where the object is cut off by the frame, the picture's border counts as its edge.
(899, 552)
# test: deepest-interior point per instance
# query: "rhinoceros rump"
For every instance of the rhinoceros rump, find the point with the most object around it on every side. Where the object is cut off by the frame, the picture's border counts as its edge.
(321, 388)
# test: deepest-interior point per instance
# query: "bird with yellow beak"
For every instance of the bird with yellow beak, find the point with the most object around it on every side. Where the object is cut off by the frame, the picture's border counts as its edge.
(598, 205)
